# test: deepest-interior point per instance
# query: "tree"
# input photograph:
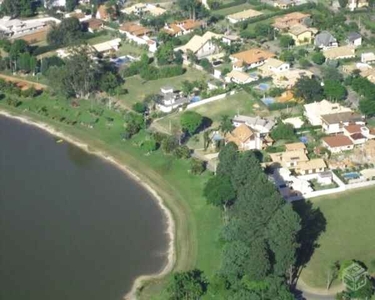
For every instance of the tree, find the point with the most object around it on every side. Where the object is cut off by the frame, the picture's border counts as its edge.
(70, 5)
(226, 124)
(283, 132)
(48, 62)
(149, 145)
(15, 8)
(367, 107)
(343, 3)
(219, 191)
(189, 285)
(68, 32)
(332, 273)
(287, 56)
(164, 54)
(286, 41)
(187, 87)
(139, 107)
(169, 144)
(197, 166)
(308, 89)
(304, 63)
(190, 121)
(206, 65)
(109, 83)
(331, 73)
(318, 58)
(227, 158)
(334, 90)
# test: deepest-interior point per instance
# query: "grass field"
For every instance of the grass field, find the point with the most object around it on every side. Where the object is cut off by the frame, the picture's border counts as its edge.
(233, 9)
(349, 233)
(129, 49)
(240, 102)
(101, 39)
(139, 88)
(197, 224)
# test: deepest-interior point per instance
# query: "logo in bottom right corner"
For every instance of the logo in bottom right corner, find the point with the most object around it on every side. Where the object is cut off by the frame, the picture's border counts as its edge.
(354, 277)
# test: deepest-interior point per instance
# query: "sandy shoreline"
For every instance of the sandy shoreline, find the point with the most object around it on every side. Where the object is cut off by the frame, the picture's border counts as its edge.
(171, 254)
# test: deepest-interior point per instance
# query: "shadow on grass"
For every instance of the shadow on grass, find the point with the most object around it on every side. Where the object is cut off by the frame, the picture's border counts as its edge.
(313, 224)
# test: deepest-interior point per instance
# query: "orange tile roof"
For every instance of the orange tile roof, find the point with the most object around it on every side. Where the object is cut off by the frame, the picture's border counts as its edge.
(94, 23)
(240, 135)
(188, 24)
(134, 29)
(253, 55)
(337, 141)
(353, 128)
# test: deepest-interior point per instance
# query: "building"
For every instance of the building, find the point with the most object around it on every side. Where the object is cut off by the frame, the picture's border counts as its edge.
(310, 167)
(314, 111)
(299, 146)
(357, 133)
(138, 34)
(284, 4)
(341, 52)
(250, 59)
(368, 57)
(139, 9)
(169, 99)
(285, 22)
(182, 27)
(243, 15)
(273, 66)
(107, 48)
(354, 4)
(94, 25)
(245, 138)
(289, 78)
(302, 34)
(239, 77)
(106, 13)
(54, 3)
(335, 123)
(14, 27)
(261, 125)
(338, 143)
(79, 14)
(325, 40)
(296, 122)
(354, 39)
(202, 46)
(289, 159)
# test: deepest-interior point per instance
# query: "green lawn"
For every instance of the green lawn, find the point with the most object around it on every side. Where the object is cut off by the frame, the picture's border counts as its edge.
(233, 9)
(197, 224)
(139, 88)
(100, 39)
(349, 233)
(240, 102)
(129, 49)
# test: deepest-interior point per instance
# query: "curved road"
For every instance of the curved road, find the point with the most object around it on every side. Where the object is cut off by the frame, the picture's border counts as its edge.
(310, 293)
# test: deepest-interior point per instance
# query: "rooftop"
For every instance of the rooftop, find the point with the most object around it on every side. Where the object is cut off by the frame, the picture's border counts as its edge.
(253, 55)
(338, 52)
(317, 163)
(342, 117)
(295, 146)
(197, 41)
(337, 141)
(246, 14)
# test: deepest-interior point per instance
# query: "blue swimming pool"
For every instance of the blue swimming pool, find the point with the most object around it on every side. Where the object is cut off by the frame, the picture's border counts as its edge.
(268, 100)
(195, 99)
(351, 175)
(121, 61)
(263, 86)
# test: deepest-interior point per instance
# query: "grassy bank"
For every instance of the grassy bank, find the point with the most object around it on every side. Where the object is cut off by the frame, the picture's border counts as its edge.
(349, 233)
(197, 224)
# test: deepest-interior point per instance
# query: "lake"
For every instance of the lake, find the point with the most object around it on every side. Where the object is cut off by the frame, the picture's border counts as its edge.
(72, 226)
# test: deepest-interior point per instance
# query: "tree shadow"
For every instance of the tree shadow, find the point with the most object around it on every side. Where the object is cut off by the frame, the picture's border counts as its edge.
(313, 224)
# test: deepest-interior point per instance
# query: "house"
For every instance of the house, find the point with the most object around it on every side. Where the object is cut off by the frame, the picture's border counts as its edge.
(353, 4)
(338, 143)
(357, 133)
(138, 34)
(55, 3)
(243, 15)
(109, 47)
(368, 57)
(302, 34)
(202, 46)
(261, 125)
(296, 122)
(285, 22)
(106, 13)
(335, 123)
(341, 52)
(13, 28)
(245, 138)
(289, 78)
(182, 27)
(284, 4)
(325, 40)
(290, 186)
(229, 38)
(289, 159)
(273, 66)
(169, 99)
(310, 167)
(79, 14)
(314, 111)
(239, 77)
(299, 146)
(250, 59)
(354, 39)
(139, 9)
(94, 25)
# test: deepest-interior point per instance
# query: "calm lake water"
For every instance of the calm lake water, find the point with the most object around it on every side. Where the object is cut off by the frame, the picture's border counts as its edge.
(72, 227)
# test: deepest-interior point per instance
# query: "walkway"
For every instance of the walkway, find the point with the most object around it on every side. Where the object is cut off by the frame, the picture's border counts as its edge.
(310, 293)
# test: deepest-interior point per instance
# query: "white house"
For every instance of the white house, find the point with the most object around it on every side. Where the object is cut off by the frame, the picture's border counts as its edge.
(314, 111)
(368, 57)
(140, 8)
(249, 59)
(108, 47)
(245, 138)
(357, 133)
(354, 39)
(262, 125)
(170, 99)
(239, 77)
(202, 46)
(15, 27)
(338, 143)
(243, 15)
(273, 66)
(335, 123)
(138, 34)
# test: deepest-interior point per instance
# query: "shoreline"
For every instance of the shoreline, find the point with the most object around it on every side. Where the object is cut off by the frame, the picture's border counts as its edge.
(171, 253)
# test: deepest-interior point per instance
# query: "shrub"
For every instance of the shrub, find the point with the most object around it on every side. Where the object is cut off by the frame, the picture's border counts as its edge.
(139, 107)
(197, 166)
(169, 144)
(182, 152)
(149, 145)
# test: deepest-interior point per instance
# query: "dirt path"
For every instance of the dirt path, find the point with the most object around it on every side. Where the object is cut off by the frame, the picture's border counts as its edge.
(318, 293)
(23, 82)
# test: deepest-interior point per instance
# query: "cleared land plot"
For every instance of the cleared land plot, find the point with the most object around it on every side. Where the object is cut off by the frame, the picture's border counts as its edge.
(100, 39)
(139, 88)
(349, 233)
(129, 49)
(23, 84)
(233, 9)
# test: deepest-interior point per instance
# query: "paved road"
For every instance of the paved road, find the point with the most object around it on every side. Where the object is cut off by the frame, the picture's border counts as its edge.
(309, 293)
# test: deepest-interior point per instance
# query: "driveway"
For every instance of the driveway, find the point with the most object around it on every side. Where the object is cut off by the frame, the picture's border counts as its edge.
(310, 293)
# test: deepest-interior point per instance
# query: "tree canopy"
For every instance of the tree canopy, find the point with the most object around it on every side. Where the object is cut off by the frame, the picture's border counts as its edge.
(191, 121)
(68, 32)
(15, 8)
(308, 89)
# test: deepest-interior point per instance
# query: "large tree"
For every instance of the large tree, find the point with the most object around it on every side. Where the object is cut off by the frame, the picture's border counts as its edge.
(189, 285)
(334, 90)
(219, 191)
(191, 121)
(68, 32)
(15, 8)
(308, 89)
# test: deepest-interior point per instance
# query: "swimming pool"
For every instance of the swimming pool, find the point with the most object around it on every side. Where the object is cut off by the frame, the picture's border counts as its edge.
(263, 86)
(268, 100)
(121, 61)
(351, 175)
(195, 99)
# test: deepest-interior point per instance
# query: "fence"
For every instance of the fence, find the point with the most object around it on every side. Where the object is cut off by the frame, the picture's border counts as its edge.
(211, 99)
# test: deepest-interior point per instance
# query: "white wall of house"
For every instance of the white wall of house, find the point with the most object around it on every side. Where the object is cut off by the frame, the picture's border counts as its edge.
(339, 149)
(207, 49)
